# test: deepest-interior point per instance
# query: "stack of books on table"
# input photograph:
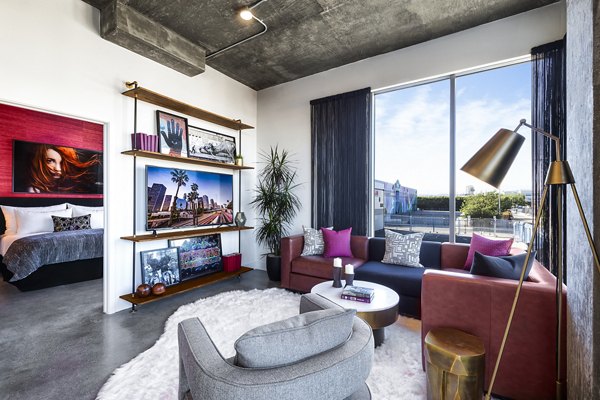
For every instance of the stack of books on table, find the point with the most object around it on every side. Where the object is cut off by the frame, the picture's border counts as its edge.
(358, 293)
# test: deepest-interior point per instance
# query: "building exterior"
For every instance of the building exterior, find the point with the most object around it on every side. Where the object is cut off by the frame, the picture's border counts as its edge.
(156, 197)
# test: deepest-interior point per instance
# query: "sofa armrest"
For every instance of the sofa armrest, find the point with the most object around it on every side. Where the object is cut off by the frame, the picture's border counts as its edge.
(360, 247)
(480, 305)
(291, 248)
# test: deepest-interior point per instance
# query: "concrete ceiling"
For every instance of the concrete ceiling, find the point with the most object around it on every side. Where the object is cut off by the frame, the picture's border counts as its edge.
(310, 36)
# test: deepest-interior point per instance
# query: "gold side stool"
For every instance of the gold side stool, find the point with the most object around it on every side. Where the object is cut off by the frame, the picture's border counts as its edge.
(455, 365)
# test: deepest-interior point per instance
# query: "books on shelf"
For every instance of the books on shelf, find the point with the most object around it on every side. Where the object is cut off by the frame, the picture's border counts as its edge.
(358, 293)
(143, 141)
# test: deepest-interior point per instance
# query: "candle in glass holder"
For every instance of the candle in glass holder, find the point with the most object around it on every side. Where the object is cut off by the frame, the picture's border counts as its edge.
(349, 274)
(337, 272)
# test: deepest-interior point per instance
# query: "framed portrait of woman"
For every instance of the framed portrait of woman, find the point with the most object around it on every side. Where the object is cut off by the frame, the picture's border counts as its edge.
(50, 168)
(172, 131)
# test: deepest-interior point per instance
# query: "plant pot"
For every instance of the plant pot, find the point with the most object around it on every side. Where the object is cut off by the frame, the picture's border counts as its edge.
(274, 267)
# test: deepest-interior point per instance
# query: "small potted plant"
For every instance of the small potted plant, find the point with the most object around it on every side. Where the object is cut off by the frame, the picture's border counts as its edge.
(277, 205)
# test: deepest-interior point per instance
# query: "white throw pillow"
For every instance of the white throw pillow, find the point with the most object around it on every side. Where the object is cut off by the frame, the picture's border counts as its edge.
(38, 221)
(11, 218)
(97, 216)
(402, 249)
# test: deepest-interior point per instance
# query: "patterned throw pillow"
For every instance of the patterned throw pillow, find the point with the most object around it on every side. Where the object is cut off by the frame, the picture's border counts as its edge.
(402, 249)
(62, 224)
(313, 242)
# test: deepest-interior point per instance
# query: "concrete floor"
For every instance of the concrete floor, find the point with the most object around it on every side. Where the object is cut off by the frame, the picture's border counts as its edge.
(57, 344)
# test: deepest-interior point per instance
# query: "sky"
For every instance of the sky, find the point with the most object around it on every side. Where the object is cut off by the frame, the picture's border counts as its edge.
(412, 134)
(216, 186)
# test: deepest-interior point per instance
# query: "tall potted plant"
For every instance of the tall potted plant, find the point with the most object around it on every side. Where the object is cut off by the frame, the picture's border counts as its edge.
(277, 205)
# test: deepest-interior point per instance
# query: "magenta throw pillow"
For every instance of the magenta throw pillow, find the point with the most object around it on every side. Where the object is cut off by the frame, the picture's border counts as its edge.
(487, 247)
(337, 244)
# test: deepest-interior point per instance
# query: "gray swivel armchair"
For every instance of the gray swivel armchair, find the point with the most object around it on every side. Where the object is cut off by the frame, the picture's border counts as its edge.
(325, 353)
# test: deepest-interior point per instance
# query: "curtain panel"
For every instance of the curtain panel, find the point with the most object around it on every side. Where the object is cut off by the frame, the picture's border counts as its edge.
(549, 112)
(341, 148)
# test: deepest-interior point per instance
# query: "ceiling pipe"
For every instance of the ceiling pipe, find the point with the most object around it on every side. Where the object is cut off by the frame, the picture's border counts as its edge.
(247, 14)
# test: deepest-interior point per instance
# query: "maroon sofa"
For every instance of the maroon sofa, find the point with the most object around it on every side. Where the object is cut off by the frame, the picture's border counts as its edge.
(480, 305)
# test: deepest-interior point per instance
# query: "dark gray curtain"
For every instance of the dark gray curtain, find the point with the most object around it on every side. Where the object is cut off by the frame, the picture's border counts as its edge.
(549, 112)
(340, 133)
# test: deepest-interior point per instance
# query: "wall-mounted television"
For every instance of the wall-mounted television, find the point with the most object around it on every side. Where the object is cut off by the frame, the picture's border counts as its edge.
(183, 198)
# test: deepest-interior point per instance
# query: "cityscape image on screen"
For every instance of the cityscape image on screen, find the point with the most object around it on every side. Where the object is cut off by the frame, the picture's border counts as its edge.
(181, 198)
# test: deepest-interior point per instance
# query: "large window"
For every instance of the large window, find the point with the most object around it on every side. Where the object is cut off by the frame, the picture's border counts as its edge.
(418, 153)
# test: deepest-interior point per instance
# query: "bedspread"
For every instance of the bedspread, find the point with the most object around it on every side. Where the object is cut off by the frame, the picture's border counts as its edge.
(27, 254)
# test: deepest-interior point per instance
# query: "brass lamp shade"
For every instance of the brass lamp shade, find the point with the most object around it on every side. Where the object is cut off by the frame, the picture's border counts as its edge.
(491, 163)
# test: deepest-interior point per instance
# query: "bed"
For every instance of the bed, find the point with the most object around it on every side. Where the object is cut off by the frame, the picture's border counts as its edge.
(78, 262)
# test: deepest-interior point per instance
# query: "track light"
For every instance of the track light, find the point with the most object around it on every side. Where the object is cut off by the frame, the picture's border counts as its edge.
(246, 14)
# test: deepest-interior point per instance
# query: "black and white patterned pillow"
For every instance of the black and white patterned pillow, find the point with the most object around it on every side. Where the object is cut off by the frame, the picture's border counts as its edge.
(62, 224)
(402, 249)
(313, 242)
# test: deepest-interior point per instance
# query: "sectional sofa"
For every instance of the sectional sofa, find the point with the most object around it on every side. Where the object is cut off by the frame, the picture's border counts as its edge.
(445, 295)
(301, 273)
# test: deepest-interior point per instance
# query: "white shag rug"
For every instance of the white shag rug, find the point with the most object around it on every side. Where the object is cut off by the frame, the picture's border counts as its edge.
(396, 372)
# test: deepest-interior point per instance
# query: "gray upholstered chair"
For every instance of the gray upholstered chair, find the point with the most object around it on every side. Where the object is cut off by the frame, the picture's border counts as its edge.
(338, 372)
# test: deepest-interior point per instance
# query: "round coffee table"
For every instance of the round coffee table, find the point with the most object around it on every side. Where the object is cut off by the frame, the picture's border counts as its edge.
(379, 313)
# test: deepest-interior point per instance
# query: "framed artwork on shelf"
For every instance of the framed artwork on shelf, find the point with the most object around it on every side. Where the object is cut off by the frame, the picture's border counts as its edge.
(212, 146)
(49, 168)
(173, 134)
(161, 265)
(198, 256)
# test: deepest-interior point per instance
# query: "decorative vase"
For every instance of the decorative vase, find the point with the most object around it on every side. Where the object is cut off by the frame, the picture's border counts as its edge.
(240, 218)
(143, 290)
(159, 289)
(239, 161)
(274, 267)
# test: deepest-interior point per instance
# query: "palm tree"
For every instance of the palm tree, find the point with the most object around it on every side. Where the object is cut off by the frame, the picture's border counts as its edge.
(193, 197)
(180, 177)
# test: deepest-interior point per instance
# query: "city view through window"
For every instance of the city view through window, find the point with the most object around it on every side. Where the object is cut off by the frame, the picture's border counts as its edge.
(413, 152)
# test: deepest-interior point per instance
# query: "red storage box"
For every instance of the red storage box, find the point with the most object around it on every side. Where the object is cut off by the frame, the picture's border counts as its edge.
(232, 262)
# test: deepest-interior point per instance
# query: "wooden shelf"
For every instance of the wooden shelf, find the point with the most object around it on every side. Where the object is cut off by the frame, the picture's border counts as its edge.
(158, 99)
(186, 286)
(177, 234)
(185, 160)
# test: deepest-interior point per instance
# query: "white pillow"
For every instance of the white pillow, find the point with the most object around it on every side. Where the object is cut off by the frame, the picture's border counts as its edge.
(11, 218)
(97, 216)
(85, 208)
(38, 221)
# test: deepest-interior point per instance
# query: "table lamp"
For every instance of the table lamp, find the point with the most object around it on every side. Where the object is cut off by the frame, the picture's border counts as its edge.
(490, 164)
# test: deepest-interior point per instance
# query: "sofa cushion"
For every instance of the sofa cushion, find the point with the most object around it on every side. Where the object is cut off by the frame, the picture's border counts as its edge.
(402, 249)
(406, 281)
(430, 254)
(488, 247)
(294, 339)
(508, 267)
(320, 267)
(337, 243)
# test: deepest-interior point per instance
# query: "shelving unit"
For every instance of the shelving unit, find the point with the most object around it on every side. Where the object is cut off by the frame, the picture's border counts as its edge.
(186, 286)
(139, 93)
(183, 234)
(185, 160)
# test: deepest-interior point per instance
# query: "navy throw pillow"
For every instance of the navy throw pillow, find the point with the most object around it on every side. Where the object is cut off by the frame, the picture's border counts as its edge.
(507, 267)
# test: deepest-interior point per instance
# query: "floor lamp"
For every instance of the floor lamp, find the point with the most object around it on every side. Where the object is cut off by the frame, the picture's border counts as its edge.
(490, 164)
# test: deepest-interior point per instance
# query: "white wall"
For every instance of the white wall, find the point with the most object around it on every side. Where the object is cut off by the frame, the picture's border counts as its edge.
(284, 110)
(52, 58)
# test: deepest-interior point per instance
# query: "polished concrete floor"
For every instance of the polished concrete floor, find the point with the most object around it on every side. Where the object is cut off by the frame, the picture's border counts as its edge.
(57, 344)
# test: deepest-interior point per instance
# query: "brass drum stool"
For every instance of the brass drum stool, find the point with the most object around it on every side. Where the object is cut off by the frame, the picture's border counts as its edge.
(455, 365)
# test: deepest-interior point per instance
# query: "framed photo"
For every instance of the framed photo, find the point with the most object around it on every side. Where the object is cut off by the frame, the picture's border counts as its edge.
(49, 168)
(173, 133)
(198, 256)
(160, 265)
(212, 146)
